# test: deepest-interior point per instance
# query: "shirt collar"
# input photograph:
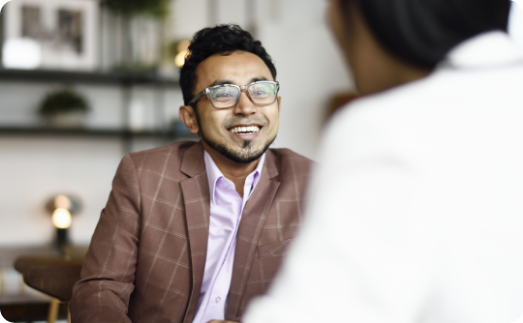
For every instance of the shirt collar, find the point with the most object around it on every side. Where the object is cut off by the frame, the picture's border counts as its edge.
(488, 49)
(214, 173)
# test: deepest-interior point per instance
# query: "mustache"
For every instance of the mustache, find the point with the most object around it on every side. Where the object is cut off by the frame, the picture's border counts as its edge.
(259, 120)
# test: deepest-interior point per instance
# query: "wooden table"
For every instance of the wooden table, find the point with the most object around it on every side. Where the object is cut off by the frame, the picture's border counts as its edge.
(29, 305)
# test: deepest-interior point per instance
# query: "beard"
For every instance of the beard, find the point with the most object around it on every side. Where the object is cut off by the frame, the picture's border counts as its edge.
(244, 155)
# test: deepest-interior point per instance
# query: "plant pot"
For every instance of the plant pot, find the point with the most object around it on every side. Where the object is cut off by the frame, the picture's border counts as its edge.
(66, 120)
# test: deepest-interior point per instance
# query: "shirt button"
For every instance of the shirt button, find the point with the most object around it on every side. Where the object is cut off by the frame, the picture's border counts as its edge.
(218, 299)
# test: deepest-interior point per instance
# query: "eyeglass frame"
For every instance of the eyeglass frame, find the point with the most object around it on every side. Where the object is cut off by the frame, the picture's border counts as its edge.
(242, 88)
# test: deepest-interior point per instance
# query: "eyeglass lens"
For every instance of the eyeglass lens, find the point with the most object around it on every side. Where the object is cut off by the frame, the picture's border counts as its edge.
(225, 96)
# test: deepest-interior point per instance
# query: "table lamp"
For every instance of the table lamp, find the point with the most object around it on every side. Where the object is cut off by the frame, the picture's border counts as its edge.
(62, 208)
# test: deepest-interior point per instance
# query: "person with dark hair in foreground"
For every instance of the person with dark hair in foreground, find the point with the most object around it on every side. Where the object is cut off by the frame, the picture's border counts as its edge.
(194, 230)
(415, 212)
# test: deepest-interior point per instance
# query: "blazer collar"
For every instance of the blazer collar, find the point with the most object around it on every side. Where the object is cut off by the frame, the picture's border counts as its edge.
(485, 50)
(192, 160)
(270, 164)
(251, 225)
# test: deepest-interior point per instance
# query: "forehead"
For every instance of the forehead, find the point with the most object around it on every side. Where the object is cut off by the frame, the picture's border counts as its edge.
(239, 68)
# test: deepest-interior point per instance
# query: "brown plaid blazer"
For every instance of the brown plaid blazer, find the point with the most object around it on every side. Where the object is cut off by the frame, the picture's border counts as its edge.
(147, 256)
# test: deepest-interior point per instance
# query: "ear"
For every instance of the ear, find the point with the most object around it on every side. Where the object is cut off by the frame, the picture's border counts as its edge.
(188, 117)
(279, 104)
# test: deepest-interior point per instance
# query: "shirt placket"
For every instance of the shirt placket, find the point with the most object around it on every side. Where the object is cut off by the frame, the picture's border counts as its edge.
(214, 299)
(224, 272)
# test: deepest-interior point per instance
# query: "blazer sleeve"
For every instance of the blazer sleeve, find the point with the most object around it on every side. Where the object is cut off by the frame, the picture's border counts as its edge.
(108, 272)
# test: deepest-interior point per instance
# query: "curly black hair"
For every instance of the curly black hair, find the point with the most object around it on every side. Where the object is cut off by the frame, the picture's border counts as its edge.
(224, 40)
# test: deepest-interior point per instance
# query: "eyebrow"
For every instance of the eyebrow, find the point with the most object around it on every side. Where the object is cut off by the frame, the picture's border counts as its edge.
(223, 82)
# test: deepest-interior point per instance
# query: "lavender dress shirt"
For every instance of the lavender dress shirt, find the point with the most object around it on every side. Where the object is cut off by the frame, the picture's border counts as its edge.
(226, 210)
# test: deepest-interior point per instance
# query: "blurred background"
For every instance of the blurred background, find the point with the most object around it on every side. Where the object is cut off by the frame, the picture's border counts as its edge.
(82, 82)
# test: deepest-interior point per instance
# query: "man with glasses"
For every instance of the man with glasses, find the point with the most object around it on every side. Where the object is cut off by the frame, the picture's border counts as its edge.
(193, 231)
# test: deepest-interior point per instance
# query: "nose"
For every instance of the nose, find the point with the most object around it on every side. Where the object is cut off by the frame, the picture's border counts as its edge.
(245, 106)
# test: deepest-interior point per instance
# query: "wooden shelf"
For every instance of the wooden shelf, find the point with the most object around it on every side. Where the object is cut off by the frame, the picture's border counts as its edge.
(117, 78)
(86, 132)
(124, 80)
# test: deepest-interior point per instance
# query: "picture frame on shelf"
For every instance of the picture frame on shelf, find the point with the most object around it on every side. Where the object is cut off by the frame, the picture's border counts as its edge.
(54, 34)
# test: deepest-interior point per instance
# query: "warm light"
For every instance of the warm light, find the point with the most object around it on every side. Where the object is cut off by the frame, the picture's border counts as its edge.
(62, 218)
(179, 60)
(62, 202)
(182, 48)
(23, 53)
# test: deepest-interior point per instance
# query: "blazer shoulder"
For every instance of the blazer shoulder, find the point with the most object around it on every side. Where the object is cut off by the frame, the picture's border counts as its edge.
(180, 146)
(290, 163)
(167, 159)
(176, 149)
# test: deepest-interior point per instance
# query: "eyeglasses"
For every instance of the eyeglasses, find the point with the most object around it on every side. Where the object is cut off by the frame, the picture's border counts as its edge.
(228, 95)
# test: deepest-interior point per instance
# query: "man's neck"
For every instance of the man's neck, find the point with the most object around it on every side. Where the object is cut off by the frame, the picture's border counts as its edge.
(233, 171)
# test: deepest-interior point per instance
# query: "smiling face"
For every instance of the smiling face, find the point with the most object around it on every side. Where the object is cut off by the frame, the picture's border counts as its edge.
(241, 133)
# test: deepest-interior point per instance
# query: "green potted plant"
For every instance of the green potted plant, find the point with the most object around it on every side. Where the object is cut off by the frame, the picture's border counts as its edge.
(64, 108)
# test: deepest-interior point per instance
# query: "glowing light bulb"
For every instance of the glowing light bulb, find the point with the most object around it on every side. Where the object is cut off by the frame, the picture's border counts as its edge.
(62, 218)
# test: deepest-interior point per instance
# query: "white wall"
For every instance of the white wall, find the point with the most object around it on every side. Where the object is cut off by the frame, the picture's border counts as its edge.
(515, 27)
(32, 170)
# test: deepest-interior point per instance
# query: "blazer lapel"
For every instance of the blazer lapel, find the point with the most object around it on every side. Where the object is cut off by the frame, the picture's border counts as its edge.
(251, 225)
(196, 198)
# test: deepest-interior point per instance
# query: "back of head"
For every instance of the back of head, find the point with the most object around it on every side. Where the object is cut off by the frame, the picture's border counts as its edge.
(421, 32)
(223, 40)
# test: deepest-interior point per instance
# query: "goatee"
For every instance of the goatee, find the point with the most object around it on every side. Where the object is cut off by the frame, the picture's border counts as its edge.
(246, 155)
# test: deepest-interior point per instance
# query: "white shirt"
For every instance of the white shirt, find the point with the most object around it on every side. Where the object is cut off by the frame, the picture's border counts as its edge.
(416, 209)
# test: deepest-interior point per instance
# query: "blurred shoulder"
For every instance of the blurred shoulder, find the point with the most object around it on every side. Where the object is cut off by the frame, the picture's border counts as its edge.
(389, 121)
(400, 109)
(401, 99)
(443, 93)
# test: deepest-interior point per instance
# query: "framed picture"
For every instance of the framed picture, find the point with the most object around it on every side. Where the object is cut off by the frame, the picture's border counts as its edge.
(65, 31)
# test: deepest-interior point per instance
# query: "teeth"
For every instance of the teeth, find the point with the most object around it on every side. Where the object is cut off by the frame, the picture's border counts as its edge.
(243, 130)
